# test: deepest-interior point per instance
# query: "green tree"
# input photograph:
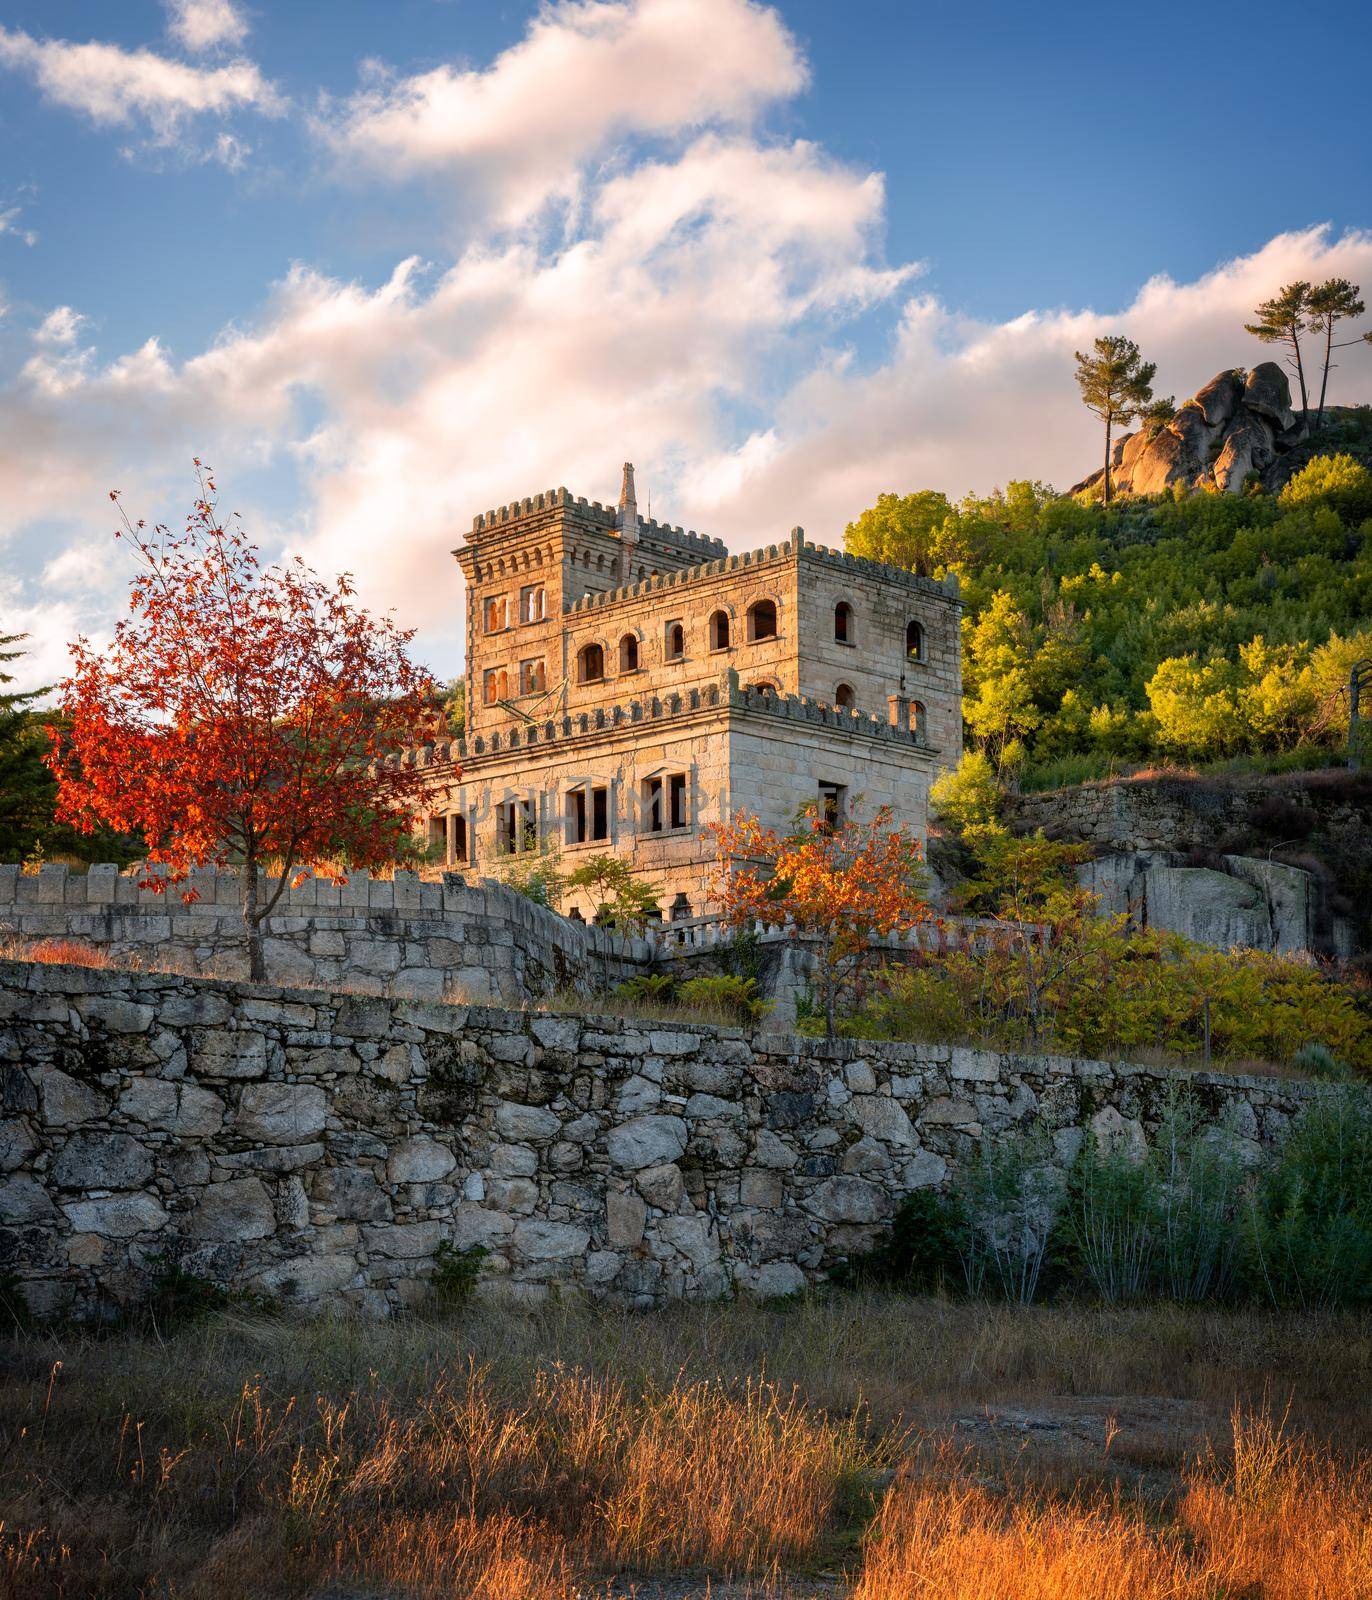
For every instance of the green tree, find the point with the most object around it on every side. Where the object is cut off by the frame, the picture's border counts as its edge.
(1116, 384)
(999, 705)
(622, 902)
(455, 707)
(1329, 303)
(1282, 320)
(28, 792)
(902, 530)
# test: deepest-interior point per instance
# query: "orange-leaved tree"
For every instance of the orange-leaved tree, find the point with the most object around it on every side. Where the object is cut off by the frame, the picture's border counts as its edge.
(843, 884)
(241, 713)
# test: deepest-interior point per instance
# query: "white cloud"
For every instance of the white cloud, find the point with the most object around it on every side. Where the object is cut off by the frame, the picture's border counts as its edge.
(116, 87)
(59, 327)
(9, 223)
(697, 316)
(205, 24)
(587, 73)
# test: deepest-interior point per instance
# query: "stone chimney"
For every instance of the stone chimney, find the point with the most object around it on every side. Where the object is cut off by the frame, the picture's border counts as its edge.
(628, 524)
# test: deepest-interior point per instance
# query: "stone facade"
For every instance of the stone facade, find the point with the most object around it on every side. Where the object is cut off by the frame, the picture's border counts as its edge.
(318, 1148)
(629, 683)
(451, 939)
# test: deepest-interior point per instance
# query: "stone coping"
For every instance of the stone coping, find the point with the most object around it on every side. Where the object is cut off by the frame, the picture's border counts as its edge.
(967, 1062)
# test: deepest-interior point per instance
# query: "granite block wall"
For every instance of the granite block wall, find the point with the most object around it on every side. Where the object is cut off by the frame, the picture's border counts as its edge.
(319, 1148)
(448, 939)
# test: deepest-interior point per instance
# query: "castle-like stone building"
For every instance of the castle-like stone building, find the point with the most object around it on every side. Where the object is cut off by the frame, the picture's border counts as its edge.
(628, 684)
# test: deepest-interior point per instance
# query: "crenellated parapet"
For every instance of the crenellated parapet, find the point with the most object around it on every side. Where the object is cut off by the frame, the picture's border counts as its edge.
(758, 561)
(727, 695)
(597, 514)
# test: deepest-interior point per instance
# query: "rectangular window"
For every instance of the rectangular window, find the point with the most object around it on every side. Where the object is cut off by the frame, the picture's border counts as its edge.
(533, 677)
(495, 685)
(531, 603)
(664, 803)
(458, 836)
(517, 826)
(497, 613)
(833, 799)
(588, 814)
(438, 834)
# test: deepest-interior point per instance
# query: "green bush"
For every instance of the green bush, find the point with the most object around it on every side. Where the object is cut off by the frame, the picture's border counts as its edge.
(455, 1274)
(1317, 1060)
(736, 997)
(1009, 1195)
(1161, 1222)
(921, 1253)
(657, 987)
(1309, 1221)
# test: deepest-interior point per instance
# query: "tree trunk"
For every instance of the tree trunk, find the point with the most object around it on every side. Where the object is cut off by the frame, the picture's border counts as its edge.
(1108, 420)
(1300, 375)
(1324, 378)
(252, 925)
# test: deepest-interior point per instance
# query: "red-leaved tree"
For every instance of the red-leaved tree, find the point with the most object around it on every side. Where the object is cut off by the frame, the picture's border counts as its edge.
(843, 884)
(241, 714)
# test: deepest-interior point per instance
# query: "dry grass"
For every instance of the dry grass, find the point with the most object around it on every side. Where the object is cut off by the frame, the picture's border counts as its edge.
(62, 952)
(536, 1458)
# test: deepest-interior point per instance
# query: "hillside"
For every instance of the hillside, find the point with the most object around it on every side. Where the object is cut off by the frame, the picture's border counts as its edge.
(1187, 626)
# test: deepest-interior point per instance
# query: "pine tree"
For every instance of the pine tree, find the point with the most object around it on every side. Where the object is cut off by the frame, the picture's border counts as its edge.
(1282, 320)
(1329, 304)
(28, 791)
(1116, 384)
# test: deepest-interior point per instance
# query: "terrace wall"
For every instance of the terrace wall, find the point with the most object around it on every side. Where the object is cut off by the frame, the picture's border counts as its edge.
(450, 939)
(319, 1148)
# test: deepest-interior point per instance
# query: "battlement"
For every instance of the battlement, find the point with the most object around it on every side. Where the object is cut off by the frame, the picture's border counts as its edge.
(772, 554)
(944, 588)
(724, 696)
(596, 514)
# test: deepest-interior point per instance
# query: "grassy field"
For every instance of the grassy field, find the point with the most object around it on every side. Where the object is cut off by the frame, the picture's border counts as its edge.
(858, 1446)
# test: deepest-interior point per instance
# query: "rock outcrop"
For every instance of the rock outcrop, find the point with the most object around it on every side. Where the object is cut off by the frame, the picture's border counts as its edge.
(1239, 423)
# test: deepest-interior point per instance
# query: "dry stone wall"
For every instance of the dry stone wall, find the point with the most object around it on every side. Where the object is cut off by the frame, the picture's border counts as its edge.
(451, 939)
(319, 1148)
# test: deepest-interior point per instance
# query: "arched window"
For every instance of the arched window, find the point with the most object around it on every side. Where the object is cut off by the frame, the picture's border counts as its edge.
(919, 719)
(719, 631)
(495, 685)
(591, 664)
(674, 643)
(497, 613)
(914, 640)
(763, 687)
(628, 653)
(843, 623)
(844, 698)
(762, 620)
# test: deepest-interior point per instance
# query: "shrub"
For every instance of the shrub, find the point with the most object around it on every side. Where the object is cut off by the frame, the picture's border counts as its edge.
(1318, 1061)
(1160, 1222)
(1010, 1195)
(1337, 481)
(735, 996)
(921, 1254)
(659, 987)
(1112, 1218)
(455, 1274)
(1309, 1222)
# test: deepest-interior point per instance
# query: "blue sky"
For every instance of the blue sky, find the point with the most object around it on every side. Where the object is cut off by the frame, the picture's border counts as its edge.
(385, 265)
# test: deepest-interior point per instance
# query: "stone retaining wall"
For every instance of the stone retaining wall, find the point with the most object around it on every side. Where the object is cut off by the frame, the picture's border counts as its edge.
(319, 1148)
(449, 939)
